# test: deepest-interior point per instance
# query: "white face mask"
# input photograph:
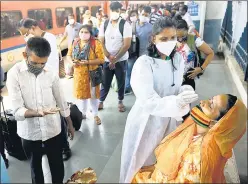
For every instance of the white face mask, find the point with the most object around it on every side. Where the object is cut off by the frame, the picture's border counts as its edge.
(153, 10)
(133, 19)
(71, 21)
(143, 19)
(166, 47)
(124, 16)
(114, 15)
(26, 38)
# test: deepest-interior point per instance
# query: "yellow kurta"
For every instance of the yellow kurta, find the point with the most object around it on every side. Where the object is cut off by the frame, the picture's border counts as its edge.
(188, 172)
(82, 87)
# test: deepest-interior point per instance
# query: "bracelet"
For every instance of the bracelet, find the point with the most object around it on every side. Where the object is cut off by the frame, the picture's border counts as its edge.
(201, 68)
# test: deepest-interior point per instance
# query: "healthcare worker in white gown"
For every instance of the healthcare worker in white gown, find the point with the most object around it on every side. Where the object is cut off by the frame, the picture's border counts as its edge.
(160, 100)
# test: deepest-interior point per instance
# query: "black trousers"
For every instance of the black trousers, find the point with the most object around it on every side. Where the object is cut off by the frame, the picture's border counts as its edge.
(53, 148)
(120, 73)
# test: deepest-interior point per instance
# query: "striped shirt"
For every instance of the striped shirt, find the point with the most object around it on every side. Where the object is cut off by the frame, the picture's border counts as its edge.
(155, 17)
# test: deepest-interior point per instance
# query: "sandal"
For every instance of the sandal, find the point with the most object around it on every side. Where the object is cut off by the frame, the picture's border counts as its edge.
(121, 107)
(97, 120)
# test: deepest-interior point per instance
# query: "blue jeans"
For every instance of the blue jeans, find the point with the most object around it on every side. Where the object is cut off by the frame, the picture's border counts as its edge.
(130, 64)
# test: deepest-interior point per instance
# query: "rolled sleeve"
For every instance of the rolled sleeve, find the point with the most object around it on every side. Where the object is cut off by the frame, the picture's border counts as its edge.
(15, 95)
(20, 114)
(59, 97)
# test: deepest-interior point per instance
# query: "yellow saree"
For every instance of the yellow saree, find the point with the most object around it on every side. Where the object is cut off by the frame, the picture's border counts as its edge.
(212, 151)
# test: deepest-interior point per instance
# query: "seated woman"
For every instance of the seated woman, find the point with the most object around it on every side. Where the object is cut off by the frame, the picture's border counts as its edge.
(197, 151)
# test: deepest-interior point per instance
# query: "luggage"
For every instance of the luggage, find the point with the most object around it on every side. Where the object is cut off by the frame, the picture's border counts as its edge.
(12, 141)
(76, 116)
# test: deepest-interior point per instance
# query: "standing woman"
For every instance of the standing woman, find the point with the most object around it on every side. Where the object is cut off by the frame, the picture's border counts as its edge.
(160, 99)
(191, 71)
(86, 54)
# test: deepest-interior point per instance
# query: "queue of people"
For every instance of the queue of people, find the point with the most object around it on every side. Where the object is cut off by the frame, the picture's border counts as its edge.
(149, 53)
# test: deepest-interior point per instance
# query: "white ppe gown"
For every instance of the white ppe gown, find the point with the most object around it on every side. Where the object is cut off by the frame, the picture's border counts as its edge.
(153, 115)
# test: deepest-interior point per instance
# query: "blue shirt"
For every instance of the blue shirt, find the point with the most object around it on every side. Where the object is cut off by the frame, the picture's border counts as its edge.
(144, 33)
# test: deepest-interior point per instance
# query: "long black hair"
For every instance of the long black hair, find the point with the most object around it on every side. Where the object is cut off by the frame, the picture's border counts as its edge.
(158, 27)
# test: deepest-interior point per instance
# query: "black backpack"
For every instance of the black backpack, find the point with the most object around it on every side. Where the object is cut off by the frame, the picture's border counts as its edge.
(121, 26)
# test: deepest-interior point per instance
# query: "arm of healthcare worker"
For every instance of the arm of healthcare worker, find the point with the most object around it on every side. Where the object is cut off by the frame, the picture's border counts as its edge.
(142, 83)
(205, 49)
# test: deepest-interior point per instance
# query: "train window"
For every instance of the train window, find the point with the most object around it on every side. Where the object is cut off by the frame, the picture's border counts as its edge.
(80, 12)
(62, 16)
(94, 10)
(9, 23)
(43, 17)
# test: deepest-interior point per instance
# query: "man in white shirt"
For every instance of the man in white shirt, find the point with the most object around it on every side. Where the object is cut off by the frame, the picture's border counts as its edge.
(71, 30)
(116, 42)
(29, 28)
(37, 101)
(183, 11)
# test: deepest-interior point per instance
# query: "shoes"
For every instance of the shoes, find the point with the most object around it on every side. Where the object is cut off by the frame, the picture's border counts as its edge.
(66, 154)
(100, 107)
(128, 92)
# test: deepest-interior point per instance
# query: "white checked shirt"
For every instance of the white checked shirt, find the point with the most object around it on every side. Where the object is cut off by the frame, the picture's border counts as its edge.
(36, 93)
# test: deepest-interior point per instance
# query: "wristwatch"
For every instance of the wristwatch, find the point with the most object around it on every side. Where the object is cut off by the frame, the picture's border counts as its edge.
(202, 69)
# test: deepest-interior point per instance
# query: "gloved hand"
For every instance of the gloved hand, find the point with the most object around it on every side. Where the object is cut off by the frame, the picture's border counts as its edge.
(186, 98)
(185, 88)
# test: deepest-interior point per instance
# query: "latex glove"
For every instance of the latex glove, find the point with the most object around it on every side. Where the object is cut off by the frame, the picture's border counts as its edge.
(186, 98)
(185, 88)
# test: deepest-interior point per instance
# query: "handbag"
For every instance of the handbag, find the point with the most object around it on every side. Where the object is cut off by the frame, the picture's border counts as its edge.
(95, 75)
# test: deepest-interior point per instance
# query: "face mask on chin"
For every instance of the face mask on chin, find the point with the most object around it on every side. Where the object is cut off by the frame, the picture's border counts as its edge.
(166, 48)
